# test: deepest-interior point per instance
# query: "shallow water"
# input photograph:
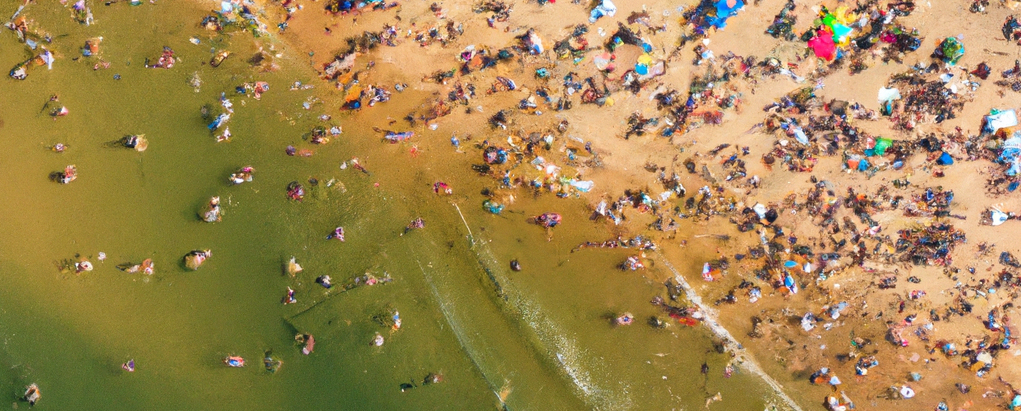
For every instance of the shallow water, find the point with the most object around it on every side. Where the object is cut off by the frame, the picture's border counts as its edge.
(532, 340)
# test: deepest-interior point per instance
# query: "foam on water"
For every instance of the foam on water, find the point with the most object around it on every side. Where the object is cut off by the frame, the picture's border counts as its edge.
(554, 342)
(462, 337)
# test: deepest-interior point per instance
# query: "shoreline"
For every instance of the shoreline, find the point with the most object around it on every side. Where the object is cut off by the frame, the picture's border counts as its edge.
(746, 359)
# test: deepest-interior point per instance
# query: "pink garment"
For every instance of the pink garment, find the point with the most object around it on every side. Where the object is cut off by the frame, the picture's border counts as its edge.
(823, 46)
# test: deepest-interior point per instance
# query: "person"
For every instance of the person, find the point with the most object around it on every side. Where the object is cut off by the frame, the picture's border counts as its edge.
(632, 263)
(82, 266)
(292, 267)
(136, 141)
(272, 363)
(193, 260)
(310, 344)
(417, 223)
(234, 361)
(515, 265)
(211, 212)
(289, 298)
(225, 135)
(295, 191)
(166, 60)
(432, 378)
(377, 340)
(625, 319)
(337, 234)
(548, 220)
(325, 281)
(303, 340)
(129, 366)
(146, 267)
(244, 174)
(32, 394)
(397, 320)
(442, 188)
(69, 174)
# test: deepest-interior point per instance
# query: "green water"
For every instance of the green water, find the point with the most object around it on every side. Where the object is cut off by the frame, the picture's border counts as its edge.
(538, 336)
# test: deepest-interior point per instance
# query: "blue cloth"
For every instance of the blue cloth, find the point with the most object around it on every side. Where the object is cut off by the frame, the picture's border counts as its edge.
(723, 12)
(945, 159)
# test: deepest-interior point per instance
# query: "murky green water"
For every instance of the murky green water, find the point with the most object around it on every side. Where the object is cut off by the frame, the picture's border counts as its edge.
(539, 337)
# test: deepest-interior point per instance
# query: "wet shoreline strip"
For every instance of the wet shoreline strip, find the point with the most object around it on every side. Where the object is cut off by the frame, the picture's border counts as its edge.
(731, 344)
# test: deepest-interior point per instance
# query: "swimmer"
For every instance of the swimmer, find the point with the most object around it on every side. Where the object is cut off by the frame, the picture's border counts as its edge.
(32, 394)
(417, 223)
(82, 266)
(211, 212)
(69, 174)
(242, 175)
(442, 188)
(337, 234)
(432, 378)
(234, 361)
(289, 298)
